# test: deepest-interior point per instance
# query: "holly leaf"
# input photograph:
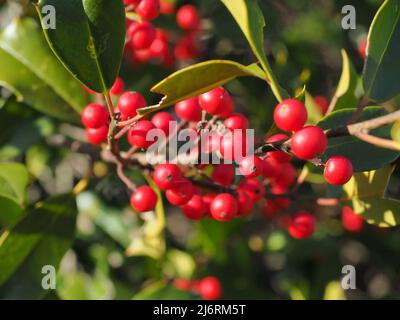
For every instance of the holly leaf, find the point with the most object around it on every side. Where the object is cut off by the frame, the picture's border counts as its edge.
(363, 156)
(382, 67)
(89, 39)
(40, 239)
(392, 190)
(365, 190)
(197, 79)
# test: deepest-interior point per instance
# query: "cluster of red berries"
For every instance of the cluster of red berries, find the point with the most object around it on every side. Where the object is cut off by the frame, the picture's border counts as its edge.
(209, 288)
(146, 43)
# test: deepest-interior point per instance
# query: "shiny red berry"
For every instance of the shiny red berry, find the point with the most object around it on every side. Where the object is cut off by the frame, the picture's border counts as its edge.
(251, 166)
(118, 87)
(254, 187)
(234, 146)
(148, 9)
(290, 115)
(224, 174)
(141, 34)
(237, 122)
(130, 2)
(163, 120)
(189, 109)
(302, 225)
(210, 288)
(208, 199)
(224, 207)
(138, 135)
(271, 168)
(351, 221)
(129, 102)
(195, 208)
(245, 203)
(180, 194)
(322, 103)
(94, 116)
(188, 18)
(143, 199)
(338, 170)
(269, 208)
(362, 47)
(279, 156)
(167, 7)
(97, 135)
(309, 143)
(167, 176)
(287, 176)
(216, 101)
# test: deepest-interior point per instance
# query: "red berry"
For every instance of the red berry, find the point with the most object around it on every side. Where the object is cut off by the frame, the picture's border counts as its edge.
(143, 199)
(271, 168)
(287, 176)
(216, 101)
(189, 109)
(290, 115)
(254, 187)
(245, 203)
(237, 122)
(186, 48)
(269, 208)
(188, 18)
(118, 87)
(141, 34)
(97, 135)
(208, 199)
(251, 166)
(137, 136)
(148, 9)
(351, 221)
(234, 146)
(362, 47)
(167, 7)
(224, 174)
(211, 142)
(279, 156)
(159, 47)
(322, 103)
(180, 194)
(224, 207)
(210, 288)
(309, 143)
(94, 116)
(167, 176)
(182, 284)
(130, 2)
(162, 121)
(338, 170)
(302, 225)
(195, 209)
(129, 102)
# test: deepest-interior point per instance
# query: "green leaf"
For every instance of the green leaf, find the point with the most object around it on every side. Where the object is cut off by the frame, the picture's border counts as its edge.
(41, 238)
(24, 79)
(382, 66)
(314, 113)
(345, 95)
(392, 190)
(250, 19)
(197, 79)
(365, 191)
(88, 39)
(24, 41)
(364, 156)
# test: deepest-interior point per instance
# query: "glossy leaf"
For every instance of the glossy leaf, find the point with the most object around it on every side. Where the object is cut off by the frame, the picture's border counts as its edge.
(197, 79)
(88, 39)
(382, 66)
(365, 190)
(392, 190)
(364, 156)
(41, 238)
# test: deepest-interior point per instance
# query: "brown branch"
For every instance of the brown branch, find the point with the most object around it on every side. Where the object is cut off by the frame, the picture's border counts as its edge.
(379, 142)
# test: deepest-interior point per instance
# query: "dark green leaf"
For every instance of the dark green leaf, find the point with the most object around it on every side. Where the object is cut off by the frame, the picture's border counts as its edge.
(364, 156)
(89, 39)
(382, 67)
(392, 190)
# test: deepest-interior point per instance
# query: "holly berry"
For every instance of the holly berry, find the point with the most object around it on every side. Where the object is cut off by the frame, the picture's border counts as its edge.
(180, 194)
(137, 136)
(130, 2)
(351, 221)
(279, 156)
(223, 174)
(236, 122)
(302, 225)
(234, 146)
(287, 176)
(362, 48)
(216, 101)
(186, 48)
(97, 135)
(162, 121)
(118, 87)
(251, 166)
(182, 284)
(129, 102)
(189, 109)
(210, 288)
(94, 116)
(195, 208)
(271, 168)
(224, 207)
(338, 170)
(167, 176)
(290, 115)
(159, 47)
(254, 187)
(141, 34)
(148, 9)
(211, 142)
(143, 199)
(188, 18)
(309, 143)
(245, 203)
(322, 103)
(167, 7)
